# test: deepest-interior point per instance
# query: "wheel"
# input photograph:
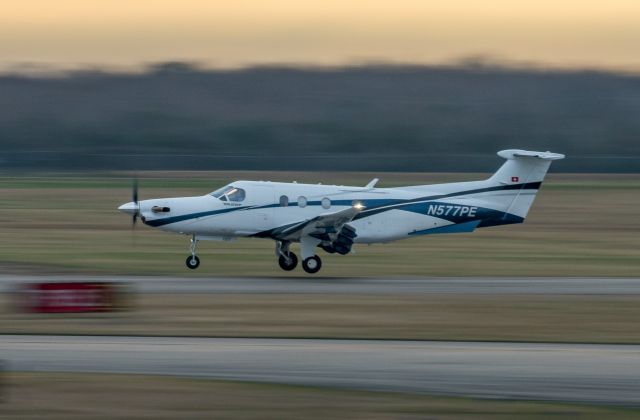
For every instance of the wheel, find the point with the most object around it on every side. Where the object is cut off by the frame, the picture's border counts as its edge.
(193, 262)
(288, 265)
(312, 264)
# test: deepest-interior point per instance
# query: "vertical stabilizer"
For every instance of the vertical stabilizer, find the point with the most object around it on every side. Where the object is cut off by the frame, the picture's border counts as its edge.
(524, 171)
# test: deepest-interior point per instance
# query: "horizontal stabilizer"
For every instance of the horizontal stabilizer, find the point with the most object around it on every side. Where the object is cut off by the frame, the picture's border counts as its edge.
(516, 153)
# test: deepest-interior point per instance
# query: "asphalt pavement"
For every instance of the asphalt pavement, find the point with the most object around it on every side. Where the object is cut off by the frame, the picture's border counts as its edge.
(564, 372)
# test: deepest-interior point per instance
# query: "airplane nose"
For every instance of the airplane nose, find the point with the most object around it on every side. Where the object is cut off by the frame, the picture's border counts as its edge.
(129, 208)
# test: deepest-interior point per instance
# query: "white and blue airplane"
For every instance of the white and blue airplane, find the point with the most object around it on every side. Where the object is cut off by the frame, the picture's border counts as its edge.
(334, 217)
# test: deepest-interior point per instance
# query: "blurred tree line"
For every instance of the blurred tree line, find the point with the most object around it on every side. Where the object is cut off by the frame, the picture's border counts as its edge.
(379, 117)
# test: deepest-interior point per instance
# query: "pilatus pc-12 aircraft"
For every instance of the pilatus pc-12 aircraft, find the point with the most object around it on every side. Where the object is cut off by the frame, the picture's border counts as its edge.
(334, 218)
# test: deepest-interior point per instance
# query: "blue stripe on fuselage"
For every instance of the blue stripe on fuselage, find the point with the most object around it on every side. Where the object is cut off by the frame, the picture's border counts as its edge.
(378, 205)
(404, 203)
(458, 213)
(453, 228)
(174, 219)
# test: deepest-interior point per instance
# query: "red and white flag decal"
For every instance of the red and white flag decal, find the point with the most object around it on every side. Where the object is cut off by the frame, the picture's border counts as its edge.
(515, 179)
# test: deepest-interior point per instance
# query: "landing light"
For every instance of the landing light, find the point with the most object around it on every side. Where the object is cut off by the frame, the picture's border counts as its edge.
(358, 206)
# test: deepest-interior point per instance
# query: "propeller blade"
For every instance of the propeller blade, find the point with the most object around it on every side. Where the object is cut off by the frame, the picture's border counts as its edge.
(135, 190)
(134, 196)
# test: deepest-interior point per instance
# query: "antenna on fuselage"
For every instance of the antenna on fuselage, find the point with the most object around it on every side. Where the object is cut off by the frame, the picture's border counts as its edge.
(372, 183)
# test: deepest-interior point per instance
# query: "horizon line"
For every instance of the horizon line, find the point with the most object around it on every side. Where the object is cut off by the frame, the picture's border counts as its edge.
(476, 62)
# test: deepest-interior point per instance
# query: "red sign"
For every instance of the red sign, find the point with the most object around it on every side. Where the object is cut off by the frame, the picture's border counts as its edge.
(515, 179)
(71, 297)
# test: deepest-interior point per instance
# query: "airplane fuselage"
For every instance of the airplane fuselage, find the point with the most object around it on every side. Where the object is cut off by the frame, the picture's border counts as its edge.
(389, 214)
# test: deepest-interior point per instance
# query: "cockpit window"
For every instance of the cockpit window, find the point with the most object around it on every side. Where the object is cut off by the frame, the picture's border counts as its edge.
(220, 191)
(235, 194)
(229, 193)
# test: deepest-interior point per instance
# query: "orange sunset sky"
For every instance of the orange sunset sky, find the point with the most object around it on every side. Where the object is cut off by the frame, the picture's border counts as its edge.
(127, 33)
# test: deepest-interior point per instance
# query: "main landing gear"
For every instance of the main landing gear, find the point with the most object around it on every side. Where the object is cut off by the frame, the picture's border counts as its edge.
(288, 261)
(193, 261)
(312, 264)
(286, 258)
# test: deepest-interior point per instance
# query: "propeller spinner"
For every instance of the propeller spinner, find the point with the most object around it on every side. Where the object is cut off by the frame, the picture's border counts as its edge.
(133, 207)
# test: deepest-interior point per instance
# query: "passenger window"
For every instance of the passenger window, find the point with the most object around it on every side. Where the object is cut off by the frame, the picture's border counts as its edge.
(326, 203)
(284, 201)
(302, 201)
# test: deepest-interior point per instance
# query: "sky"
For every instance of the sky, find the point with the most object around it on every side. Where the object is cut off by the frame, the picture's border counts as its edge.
(239, 33)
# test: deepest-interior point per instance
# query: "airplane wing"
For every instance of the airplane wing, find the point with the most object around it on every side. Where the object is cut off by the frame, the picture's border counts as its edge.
(323, 224)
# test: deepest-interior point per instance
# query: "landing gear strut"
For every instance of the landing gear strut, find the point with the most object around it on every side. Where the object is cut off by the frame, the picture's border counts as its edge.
(193, 261)
(311, 263)
(286, 259)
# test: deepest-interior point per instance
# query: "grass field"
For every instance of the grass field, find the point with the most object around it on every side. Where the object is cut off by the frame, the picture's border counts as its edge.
(595, 319)
(80, 396)
(580, 225)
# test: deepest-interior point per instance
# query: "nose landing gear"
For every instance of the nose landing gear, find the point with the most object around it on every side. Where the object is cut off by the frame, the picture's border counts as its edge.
(193, 261)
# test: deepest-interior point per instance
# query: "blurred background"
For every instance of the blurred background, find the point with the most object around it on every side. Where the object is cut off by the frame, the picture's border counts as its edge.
(190, 95)
(413, 86)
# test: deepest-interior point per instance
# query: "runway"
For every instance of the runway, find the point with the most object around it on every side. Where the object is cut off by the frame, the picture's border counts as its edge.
(313, 284)
(577, 372)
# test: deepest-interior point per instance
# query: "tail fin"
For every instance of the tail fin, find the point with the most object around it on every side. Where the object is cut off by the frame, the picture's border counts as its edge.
(524, 170)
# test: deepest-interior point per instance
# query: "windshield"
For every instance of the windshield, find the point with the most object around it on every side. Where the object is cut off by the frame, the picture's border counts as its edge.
(220, 191)
(229, 193)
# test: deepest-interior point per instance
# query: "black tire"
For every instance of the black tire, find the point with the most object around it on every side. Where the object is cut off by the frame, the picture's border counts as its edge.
(288, 266)
(193, 262)
(312, 264)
